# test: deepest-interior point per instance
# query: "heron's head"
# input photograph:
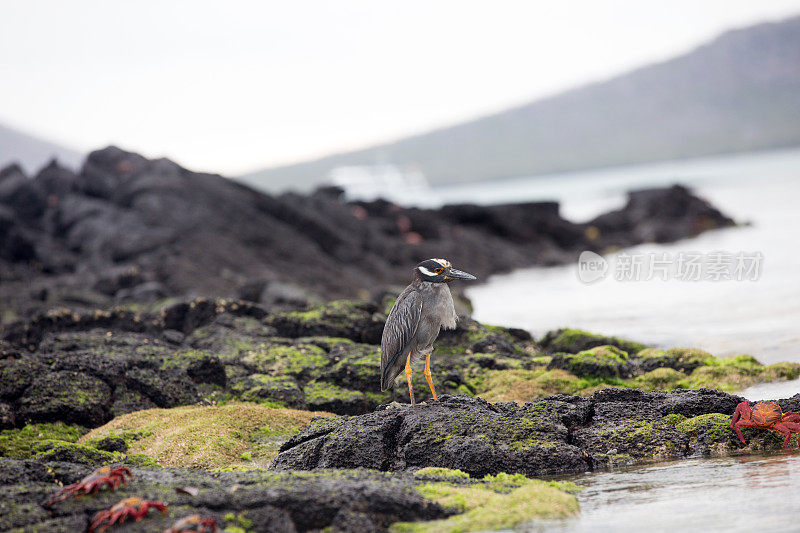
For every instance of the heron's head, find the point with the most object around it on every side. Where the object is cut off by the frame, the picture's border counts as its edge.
(440, 271)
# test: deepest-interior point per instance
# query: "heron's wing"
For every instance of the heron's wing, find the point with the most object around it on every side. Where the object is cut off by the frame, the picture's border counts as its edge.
(401, 325)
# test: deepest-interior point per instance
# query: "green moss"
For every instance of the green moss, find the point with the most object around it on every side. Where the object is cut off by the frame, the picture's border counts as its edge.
(571, 340)
(674, 419)
(784, 370)
(20, 443)
(237, 522)
(601, 362)
(208, 436)
(726, 378)
(718, 426)
(59, 450)
(341, 310)
(321, 391)
(660, 379)
(140, 459)
(483, 509)
(439, 472)
(746, 364)
(305, 360)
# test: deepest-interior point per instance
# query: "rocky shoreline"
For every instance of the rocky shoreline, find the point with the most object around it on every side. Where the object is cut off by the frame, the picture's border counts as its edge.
(229, 396)
(130, 231)
(185, 326)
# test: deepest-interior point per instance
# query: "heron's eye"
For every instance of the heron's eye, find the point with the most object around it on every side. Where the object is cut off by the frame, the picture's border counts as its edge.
(438, 270)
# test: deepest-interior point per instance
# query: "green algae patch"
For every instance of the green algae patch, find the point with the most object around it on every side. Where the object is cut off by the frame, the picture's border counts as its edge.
(306, 360)
(441, 472)
(660, 379)
(717, 426)
(21, 443)
(56, 450)
(673, 419)
(571, 340)
(208, 437)
(493, 504)
(523, 386)
(680, 359)
(321, 395)
(604, 361)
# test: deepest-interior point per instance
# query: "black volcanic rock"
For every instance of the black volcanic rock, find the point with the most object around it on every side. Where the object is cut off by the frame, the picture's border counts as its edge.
(267, 501)
(554, 435)
(126, 228)
(659, 215)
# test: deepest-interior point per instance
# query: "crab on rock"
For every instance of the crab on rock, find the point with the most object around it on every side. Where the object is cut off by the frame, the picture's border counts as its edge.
(767, 415)
(133, 508)
(194, 522)
(92, 483)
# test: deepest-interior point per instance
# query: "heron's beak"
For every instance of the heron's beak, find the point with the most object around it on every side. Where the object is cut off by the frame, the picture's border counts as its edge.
(453, 273)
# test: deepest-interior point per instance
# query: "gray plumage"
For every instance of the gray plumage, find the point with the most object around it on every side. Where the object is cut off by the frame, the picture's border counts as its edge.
(420, 312)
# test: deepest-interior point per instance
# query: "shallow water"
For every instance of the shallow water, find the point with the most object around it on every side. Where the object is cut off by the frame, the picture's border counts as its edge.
(745, 493)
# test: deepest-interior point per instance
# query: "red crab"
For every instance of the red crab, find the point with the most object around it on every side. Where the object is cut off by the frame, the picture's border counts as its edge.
(766, 415)
(194, 522)
(92, 483)
(134, 508)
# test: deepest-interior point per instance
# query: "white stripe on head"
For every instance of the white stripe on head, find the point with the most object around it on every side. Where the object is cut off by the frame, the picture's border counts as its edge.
(426, 271)
(444, 262)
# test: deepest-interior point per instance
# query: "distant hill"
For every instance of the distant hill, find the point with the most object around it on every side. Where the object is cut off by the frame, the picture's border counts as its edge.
(32, 153)
(739, 92)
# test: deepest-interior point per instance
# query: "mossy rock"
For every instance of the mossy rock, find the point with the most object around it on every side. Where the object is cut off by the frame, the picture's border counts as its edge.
(356, 367)
(571, 340)
(236, 434)
(712, 434)
(660, 379)
(164, 388)
(782, 371)
(324, 396)
(717, 427)
(522, 386)
(471, 336)
(282, 390)
(57, 450)
(354, 320)
(69, 397)
(726, 378)
(303, 361)
(496, 502)
(16, 375)
(637, 438)
(746, 364)
(605, 361)
(20, 443)
(438, 472)
(681, 359)
(199, 365)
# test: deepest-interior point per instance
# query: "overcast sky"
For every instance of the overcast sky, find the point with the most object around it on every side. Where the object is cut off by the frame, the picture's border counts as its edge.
(235, 86)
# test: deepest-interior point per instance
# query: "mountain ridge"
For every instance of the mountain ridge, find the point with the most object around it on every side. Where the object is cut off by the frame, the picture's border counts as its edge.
(31, 152)
(738, 92)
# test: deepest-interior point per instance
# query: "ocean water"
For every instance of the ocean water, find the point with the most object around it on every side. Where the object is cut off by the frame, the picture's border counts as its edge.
(733, 494)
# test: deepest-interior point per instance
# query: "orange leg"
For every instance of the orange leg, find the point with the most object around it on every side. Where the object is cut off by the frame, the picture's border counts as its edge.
(427, 373)
(408, 378)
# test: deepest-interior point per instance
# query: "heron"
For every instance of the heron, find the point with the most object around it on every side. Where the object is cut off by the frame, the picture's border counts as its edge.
(419, 313)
